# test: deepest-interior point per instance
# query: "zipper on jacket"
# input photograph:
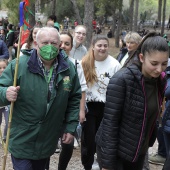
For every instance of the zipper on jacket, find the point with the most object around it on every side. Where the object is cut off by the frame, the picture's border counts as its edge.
(142, 123)
(160, 99)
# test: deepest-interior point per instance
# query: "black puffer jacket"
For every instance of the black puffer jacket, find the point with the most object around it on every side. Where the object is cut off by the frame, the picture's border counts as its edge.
(122, 130)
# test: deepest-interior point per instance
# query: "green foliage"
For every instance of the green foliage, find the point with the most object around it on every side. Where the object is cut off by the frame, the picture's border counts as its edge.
(102, 8)
(148, 6)
(80, 4)
(125, 16)
(143, 16)
(105, 7)
(13, 10)
(64, 9)
(151, 6)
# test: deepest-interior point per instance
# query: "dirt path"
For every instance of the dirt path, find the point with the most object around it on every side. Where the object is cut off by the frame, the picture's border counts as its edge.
(75, 162)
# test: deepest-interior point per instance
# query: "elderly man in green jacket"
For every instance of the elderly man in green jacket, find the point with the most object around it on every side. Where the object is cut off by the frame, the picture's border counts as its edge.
(46, 97)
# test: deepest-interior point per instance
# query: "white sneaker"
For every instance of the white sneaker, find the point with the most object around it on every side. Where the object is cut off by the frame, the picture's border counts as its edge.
(95, 165)
(76, 145)
(57, 150)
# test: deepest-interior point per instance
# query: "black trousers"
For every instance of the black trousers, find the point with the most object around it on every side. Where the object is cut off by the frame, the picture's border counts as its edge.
(65, 155)
(89, 129)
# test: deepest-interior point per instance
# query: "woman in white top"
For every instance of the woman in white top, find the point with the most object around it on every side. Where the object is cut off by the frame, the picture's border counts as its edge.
(98, 67)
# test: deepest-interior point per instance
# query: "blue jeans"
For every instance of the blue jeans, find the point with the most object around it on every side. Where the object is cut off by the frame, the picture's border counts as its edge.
(167, 144)
(161, 142)
(28, 164)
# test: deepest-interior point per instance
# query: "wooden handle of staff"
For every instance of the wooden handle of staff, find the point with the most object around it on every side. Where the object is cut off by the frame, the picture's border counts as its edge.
(12, 103)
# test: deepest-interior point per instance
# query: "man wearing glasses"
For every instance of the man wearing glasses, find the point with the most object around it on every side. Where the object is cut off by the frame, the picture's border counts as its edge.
(79, 50)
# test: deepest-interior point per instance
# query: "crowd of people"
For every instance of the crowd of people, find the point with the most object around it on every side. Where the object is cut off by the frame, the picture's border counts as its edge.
(61, 84)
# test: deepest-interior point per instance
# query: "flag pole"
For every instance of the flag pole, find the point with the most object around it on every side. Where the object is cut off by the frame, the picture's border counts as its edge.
(12, 103)
(14, 84)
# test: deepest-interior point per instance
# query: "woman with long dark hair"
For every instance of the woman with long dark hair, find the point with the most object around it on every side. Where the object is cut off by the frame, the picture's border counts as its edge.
(133, 101)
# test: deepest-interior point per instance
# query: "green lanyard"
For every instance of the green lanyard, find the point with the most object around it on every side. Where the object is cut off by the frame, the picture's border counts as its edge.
(50, 75)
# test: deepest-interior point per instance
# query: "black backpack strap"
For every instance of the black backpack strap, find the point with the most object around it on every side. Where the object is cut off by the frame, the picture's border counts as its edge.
(76, 64)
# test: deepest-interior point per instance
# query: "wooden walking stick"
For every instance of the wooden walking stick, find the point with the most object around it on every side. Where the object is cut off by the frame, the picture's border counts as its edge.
(12, 103)
(22, 4)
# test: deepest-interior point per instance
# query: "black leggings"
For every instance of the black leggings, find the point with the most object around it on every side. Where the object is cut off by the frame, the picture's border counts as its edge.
(65, 155)
(89, 129)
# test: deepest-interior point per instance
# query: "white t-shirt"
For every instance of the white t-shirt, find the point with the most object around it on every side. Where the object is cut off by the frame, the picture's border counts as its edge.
(104, 70)
(80, 73)
(122, 62)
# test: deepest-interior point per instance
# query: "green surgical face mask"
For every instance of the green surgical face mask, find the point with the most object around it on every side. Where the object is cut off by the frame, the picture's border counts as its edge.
(48, 52)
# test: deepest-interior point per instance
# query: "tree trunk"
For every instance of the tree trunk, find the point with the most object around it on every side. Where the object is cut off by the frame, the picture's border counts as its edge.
(113, 28)
(32, 17)
(118, 24)
(76, 10)
(159, 10)
(37, 6)
(88, 17)
(131, 15)
(163, 17)
(136, 16)
(53, 7)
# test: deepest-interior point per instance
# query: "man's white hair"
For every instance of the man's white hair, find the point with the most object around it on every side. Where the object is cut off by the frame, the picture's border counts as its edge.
(47, 29)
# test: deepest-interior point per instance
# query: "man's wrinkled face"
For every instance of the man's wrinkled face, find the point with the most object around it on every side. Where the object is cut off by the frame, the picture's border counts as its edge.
(45, 38)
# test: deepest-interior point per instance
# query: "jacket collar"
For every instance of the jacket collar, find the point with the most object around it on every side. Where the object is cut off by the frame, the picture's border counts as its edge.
(137, 73)
(34, 67)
